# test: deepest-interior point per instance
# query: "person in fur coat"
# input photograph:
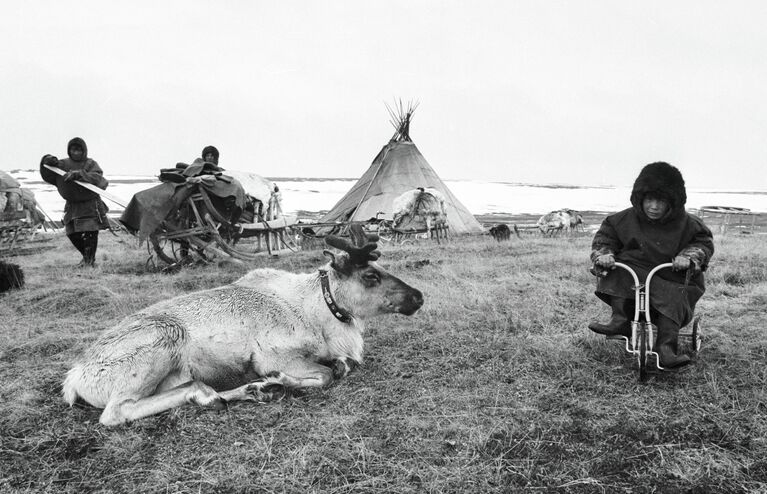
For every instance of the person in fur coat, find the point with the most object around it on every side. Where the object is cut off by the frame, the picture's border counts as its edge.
(84, 212)
(210, 155)
(656, 229)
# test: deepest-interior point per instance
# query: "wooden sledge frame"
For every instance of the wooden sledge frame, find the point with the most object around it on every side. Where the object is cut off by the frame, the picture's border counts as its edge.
(14, 229)
(206, 229)
(384, 230)
(440, 231)
(726, 218)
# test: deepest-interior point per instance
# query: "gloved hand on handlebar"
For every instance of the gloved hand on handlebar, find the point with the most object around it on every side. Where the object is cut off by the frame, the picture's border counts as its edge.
(683, 263)
(605, 261)
(680, 263)
(603, 264)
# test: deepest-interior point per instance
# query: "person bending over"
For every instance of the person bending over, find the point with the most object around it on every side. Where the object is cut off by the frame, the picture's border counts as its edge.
(655, 230)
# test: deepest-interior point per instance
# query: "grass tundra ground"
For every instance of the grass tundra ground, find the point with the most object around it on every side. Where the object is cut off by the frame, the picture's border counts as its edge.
(495, 385)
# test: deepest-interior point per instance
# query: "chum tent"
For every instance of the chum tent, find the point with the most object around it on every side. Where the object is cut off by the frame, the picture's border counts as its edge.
(398, 168)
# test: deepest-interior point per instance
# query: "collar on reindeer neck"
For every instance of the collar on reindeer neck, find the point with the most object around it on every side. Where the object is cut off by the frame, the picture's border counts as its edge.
(340, 313)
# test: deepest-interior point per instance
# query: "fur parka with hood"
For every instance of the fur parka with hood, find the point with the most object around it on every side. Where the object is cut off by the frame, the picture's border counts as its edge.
(642, 243)
(84, 210)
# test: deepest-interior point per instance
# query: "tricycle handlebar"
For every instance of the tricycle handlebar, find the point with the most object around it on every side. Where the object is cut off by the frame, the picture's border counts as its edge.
(639, 297)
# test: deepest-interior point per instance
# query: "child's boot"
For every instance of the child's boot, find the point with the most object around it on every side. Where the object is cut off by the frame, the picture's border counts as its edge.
(619, 324)
(666, 344)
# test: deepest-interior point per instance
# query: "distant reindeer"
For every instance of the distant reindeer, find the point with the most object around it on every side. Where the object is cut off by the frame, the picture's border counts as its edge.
(251, 340)
(576, 220)
(561, 220)
(554, 222)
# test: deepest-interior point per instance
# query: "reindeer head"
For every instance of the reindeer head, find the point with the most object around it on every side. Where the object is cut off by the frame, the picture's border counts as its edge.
(365, 288)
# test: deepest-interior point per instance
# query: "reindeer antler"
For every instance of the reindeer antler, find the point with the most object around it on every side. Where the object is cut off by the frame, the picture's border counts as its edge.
(361, 249)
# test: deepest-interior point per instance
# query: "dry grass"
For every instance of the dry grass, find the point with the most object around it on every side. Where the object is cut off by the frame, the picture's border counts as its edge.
(495, 385)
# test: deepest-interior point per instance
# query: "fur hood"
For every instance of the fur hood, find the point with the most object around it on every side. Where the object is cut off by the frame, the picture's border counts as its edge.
(210, 149)
(663, 181)
(77, 141)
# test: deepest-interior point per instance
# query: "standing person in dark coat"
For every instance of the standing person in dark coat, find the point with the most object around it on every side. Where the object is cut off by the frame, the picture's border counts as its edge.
(655, 230)
(84, 212)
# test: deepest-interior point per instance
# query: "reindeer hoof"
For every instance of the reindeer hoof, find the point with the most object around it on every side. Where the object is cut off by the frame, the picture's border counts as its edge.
(274, 392)
(219, 404)
(264, 392)
(342, 367)
(339, 368)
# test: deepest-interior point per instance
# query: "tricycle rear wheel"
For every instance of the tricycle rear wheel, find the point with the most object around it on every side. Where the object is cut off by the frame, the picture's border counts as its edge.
(695, 336)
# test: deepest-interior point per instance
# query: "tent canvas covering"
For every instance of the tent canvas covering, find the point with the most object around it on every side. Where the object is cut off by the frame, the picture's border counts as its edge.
(398, 168)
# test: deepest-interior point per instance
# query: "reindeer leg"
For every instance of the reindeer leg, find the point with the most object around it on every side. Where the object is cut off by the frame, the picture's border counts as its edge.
(306, 374)
(294, 374)
(121, 409)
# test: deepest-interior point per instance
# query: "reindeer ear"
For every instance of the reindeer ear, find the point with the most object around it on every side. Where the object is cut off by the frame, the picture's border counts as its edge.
(340, 264)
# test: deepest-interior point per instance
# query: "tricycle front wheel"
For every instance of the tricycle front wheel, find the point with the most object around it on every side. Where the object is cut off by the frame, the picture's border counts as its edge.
(642, 355)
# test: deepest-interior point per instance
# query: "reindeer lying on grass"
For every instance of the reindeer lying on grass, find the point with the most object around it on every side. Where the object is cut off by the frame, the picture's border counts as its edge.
(268, 331)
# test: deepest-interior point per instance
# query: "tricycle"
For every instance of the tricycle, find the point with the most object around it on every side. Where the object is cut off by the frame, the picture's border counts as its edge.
(643, 332)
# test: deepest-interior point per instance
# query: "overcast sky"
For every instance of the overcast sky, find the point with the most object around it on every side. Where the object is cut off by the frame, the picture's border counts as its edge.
(582, 92)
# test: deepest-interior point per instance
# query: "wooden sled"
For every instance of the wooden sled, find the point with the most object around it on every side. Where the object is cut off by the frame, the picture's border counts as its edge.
(14, 229)
(202, 224)
(308, 239)
(19, 227)
(439, 232)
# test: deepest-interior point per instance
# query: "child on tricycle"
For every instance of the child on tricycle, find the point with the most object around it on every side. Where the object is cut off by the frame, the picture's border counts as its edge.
(654, 231)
